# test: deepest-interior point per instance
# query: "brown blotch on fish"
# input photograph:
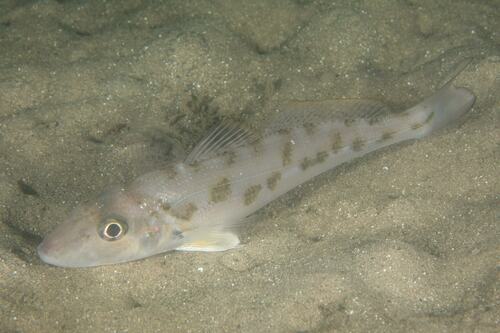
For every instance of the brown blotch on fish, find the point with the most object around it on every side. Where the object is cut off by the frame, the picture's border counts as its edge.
(321, 156)
(286, 155)
(284, 131)
(357, 144)
(348, 122)
(184, 212)
(257, 146)
(273, 180)
(309, 162)
(416, 126)
(306, 163)
(221, 191)
(336, 142)
(251, 194)
(387, 135)
(196, 165)
(168, 171)
(165, 206)
(230, 157)
(429, 117)
(375, 119)
(310, 128)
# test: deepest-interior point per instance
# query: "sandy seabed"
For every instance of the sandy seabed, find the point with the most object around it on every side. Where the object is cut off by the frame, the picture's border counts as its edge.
(94, 93)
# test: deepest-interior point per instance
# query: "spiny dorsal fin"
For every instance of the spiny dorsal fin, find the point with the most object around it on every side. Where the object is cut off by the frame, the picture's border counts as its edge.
(298, 113)
(223, 137)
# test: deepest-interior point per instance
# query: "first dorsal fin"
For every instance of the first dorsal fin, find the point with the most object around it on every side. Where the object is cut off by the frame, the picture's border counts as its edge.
(223, 137)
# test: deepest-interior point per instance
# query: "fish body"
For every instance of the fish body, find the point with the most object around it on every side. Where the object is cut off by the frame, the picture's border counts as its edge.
(195, 204)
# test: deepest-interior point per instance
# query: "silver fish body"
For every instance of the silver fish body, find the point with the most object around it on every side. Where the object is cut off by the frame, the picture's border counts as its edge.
(195, 205)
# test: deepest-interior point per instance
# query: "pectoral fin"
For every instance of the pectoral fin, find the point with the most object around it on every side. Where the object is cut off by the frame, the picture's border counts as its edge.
(210, 242)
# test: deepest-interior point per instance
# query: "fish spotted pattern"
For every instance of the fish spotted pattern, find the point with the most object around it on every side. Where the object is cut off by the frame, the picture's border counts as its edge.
(195, 205)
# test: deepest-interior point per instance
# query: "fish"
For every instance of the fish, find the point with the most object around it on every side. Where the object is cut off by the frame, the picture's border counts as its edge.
(197, 204)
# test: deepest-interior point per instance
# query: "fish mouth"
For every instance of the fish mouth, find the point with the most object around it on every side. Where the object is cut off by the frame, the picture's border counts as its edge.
(48, 257)
(43, 254)
(49, 252)
(54, 252)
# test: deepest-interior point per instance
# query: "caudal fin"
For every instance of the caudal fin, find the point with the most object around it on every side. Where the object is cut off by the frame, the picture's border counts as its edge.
(442, 108)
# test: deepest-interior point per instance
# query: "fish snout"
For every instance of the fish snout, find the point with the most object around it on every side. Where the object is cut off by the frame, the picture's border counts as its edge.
(56, 247)
(47, 248)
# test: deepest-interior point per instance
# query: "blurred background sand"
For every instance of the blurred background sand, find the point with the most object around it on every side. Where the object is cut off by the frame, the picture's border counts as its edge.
(94, 93)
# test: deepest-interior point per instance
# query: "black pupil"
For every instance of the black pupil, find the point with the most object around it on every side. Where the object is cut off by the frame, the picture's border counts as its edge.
(113, 230)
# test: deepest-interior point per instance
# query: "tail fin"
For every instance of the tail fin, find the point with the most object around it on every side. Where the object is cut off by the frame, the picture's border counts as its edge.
(442, 108)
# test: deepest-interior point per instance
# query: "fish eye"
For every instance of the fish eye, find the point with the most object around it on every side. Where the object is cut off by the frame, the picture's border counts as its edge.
(112, 228)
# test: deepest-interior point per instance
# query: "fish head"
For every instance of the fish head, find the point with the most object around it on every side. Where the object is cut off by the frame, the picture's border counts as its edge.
(111, 229)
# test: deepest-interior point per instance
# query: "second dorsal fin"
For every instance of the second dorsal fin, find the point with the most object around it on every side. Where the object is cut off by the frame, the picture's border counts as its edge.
(229, 135)
(298, 113)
